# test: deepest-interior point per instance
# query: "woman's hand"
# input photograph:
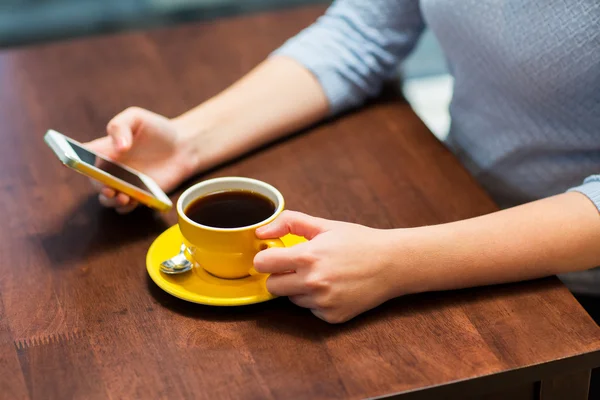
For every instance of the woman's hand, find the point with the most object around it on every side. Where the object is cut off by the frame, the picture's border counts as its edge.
(343, 270)
(278, 97)
(346, 269)
(149, 143)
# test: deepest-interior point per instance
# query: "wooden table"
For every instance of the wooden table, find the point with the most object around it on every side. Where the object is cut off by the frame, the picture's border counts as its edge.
(79, 318)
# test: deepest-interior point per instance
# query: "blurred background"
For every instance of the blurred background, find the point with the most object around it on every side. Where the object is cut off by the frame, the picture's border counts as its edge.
(427, 85)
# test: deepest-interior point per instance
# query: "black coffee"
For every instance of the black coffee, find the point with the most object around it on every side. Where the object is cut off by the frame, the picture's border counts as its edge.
(230, 209)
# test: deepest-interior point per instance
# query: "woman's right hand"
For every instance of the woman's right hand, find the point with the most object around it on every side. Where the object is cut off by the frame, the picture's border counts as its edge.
(278, 97)
(149, 143)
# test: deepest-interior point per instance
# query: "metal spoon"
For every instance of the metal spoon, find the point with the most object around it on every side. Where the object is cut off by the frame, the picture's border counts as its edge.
(177, 264)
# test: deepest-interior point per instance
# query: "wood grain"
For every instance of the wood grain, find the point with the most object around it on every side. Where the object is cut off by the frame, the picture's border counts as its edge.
(79, 318)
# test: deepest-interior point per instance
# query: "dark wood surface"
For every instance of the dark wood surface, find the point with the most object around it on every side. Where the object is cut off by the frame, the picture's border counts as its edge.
(79, 318)
(570, 386)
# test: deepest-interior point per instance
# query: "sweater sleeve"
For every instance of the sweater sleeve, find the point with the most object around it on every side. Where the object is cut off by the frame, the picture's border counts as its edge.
(356, 46)
(590, 188)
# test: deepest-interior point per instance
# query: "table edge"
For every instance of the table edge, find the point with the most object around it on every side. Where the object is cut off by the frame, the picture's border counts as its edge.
(495, 382)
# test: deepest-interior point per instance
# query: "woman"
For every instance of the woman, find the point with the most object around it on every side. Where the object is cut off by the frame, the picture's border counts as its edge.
(525, 122)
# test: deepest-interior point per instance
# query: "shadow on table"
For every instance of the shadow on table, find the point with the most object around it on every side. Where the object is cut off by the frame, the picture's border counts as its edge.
(278, 314)
(91, 229)
(284, 317)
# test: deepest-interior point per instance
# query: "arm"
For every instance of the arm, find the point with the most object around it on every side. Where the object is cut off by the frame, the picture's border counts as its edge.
(346, 269)
(278, 97)
(356, 46)
(334, 64)
(550, 236)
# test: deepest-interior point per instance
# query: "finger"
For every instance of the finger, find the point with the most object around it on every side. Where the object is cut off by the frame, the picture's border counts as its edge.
(103, 145)
(295, 223)
(319, 314)
(304, 300)
(106, 202)
(128, 208)
(279, 260)
(108, 192)
(122, 199)
(122, 126)
(98, 186)
(288, 284)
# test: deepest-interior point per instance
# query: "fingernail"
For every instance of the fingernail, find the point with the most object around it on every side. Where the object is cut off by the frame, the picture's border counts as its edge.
(122, 142)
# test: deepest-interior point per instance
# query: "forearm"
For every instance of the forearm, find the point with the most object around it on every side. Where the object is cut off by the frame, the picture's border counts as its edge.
(546, 237)
(331, 66)
(278, 97)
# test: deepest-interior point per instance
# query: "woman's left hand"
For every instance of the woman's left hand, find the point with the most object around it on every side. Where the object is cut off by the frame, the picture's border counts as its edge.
(343, 270)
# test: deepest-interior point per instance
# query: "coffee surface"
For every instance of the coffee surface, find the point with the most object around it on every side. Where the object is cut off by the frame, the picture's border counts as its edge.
(230, 209)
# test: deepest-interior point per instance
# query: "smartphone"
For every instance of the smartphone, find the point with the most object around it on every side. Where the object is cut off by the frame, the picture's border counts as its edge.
(117, 176)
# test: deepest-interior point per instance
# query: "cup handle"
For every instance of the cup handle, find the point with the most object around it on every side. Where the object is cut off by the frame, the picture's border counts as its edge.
(263, 245)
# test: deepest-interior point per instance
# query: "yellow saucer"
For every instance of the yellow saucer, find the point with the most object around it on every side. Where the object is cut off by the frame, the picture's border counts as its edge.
(197, 285)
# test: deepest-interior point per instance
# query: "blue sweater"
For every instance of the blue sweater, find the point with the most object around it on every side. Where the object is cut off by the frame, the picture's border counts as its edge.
(526, 104)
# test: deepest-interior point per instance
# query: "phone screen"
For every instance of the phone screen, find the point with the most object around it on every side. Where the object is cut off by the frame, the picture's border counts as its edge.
(108, 167)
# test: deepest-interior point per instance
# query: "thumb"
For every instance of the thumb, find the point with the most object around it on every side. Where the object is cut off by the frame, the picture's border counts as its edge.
(122, 126)
(295, 223)
(103, 146)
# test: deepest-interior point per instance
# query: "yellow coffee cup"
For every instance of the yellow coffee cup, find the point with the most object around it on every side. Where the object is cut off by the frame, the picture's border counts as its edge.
(226, 252)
